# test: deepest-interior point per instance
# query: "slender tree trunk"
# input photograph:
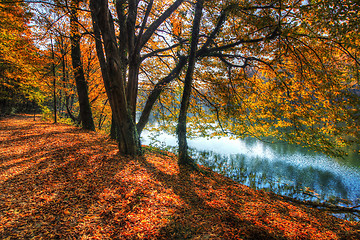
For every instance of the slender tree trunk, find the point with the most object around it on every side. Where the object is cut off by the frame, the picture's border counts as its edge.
(64, 79)
(81, 84)
(184, 158)
(54, 80)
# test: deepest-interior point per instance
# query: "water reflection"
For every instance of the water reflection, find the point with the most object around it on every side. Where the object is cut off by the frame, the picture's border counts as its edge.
(278, 176)
(282, 168)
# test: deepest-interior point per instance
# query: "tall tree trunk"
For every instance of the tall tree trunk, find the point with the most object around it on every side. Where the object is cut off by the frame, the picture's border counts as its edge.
(54, 80)
(127, 137)
(64, 78)
(184, 158)
(81, 84)
(114, 131)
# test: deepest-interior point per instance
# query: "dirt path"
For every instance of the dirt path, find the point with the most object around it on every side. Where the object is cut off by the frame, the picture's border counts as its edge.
(59, 182)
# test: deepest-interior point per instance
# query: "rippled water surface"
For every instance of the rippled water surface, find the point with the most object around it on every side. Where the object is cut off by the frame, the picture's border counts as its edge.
(282, 168)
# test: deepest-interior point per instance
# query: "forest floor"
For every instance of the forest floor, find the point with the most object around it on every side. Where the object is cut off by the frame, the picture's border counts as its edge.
(61, 182)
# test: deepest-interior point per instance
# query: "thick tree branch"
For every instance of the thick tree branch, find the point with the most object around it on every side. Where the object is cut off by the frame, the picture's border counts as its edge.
(155, 93)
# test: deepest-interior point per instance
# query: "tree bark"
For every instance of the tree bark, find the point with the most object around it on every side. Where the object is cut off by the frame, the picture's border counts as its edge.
(127, 137)
(54, 80)
(123, 62)
(105, 75)
(184, 158)
(81, 84)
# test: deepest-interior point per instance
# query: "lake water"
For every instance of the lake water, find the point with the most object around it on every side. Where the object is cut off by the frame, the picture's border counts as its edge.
(282, 168)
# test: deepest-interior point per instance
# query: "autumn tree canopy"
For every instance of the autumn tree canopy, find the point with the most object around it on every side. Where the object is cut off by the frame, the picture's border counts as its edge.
(19, 60)
(273, 69)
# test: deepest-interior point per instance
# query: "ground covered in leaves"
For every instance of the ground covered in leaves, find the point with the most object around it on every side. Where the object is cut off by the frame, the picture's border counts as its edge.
(60, 182)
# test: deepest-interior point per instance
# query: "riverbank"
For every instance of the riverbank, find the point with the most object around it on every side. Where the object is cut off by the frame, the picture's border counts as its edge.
(60, 182)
